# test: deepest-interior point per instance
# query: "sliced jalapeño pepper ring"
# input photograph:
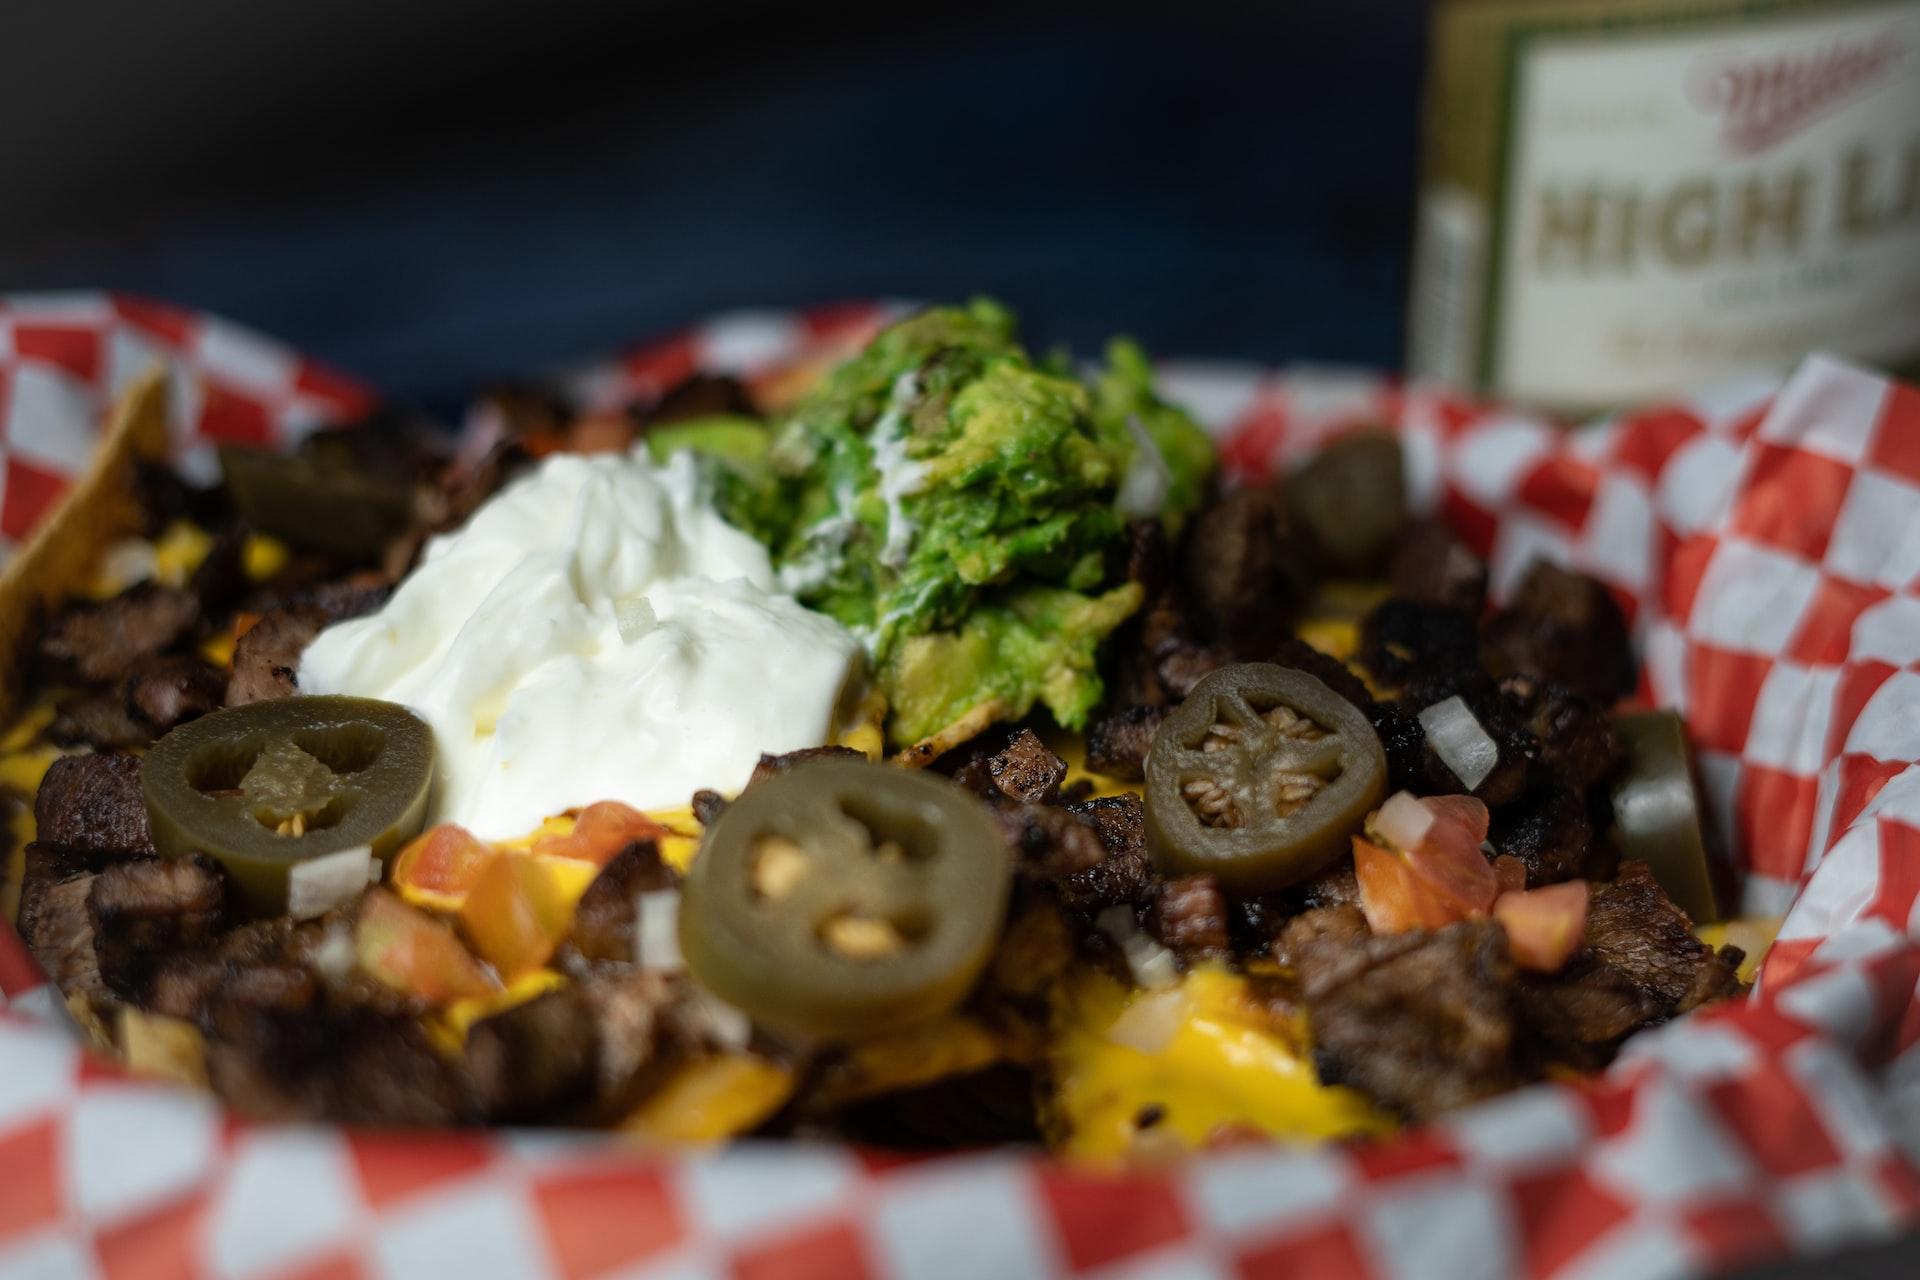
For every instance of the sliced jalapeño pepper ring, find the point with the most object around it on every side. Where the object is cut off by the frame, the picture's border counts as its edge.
(1656, 811)
(264, 787)
(1259, 778)
(314, 501)
(842, 899)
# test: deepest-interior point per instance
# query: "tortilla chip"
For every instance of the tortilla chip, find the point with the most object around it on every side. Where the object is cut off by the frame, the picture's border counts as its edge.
(100, 508)
(969, 726)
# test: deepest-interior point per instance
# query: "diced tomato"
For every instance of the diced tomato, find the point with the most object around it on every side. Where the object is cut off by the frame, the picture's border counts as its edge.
(1444, 878)
(1544, 926)
(1510, 872)
(1458, 818)
(518, 912)
(439, 867)
(601, 831)
(410, 951)
(1392, 897)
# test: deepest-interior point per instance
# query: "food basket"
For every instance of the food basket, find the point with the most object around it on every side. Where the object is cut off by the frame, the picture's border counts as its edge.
(1766, 542)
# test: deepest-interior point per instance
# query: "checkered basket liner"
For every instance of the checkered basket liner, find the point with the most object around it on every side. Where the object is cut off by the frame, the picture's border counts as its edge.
(1766, 540)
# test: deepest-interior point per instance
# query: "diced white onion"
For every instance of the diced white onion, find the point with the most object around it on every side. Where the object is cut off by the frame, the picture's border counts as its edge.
(634, 616)
(1150, 1022)
(1152, 965)
(727, 1026)
(657, 937)
(1457, 738)
(318, 885)
(333, 956)
(128, 561)
(1144, 490)
(1403, 821)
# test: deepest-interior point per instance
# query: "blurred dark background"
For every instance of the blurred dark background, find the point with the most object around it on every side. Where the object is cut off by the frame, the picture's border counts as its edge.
(434, 193)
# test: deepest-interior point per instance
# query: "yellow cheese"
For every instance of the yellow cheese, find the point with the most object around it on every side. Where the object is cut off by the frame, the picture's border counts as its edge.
(1226, 1065)
(1752, 936)
(262, 557)
(450, 1026)
(712, 1100)
(153, 1044)
(953, 1045)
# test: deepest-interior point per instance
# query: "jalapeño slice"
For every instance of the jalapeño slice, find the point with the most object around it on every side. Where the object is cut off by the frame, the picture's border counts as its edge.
(1656, 811)
(264, 787)
(844, 899)
(1259, 778)
(315, 500)
(1352, 497)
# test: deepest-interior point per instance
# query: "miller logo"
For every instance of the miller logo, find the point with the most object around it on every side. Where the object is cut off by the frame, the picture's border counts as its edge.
(1764, 100)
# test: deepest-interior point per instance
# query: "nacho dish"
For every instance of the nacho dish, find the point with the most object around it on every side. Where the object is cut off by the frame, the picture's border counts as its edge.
(926, 751)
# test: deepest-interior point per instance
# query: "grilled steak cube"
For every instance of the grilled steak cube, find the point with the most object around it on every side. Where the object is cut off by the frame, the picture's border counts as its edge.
(101, 642)
(1117, 743)
(94, 803)
(605, 925)
(147, 909)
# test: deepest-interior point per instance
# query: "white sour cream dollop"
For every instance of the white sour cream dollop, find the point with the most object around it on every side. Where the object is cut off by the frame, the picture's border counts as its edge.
(595, 632)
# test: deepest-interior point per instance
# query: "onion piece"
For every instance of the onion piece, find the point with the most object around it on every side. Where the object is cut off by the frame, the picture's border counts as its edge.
(728, 1027)
(1152, 965)
(318, 885)
(1150, 1022)
(1458, 739)
(333, 957)
(657, 931)
(634, 616)
(1403, 821)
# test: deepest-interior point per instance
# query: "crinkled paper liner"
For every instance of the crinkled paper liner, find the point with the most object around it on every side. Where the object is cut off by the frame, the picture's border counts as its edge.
(1767, 541)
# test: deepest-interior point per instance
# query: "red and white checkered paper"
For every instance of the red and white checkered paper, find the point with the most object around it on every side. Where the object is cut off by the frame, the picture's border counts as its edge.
(1767, 540)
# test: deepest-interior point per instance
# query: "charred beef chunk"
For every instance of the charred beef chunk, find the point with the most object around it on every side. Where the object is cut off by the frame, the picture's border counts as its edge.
(267, 658)
(265, 964)
(347, 1064)
(1634, 929)
(634, 1015)
(1026, 771)
(1189, 917)
(1122, 872)
(220, 582)
(1149, 558)
(1117, 742)
(102, 642)
(1578, 1016)
(1551, 831)
(537, 1060)
(989, 1107)
(1400, 639)
(1048, 842)
(98, 720)
(1563, 628)
(164, 692)
(1327, 669)
(1180, 665)
(1420, 1022)
(1245, 570)
(708, 806)
(1432, 565)
(354, 596)
(147, 909)
(1405, 742)
(94, 803)
(1577, 742)
(703, 395)
(1312, 936)
(55, 925)
(771, 765)
(605, 924)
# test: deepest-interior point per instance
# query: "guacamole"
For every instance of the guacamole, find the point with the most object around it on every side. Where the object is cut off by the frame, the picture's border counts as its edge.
(962, 508)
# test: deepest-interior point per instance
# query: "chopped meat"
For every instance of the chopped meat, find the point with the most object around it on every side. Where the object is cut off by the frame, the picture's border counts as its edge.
(1563, 627)
(605, 925)
(634, 1015)
(702, 395)
(94, 803)
(1149, 559)
(1421, 1022)
(164, 692)
(536, 1060)
(354, 596)
(1636, 930)
(1432, 565)
(264, 964)
(1337, 886)
(98, 720)
(1180, 665)
(267, 658)
(1327, 669)
(220, 580)
(992, 1106)
(1405, 742)
(1189, 917)
(1049, 842)
(1576, 739)
(1117, 742)
(1578, 1016)
(1025, 771)
(1402, 638)
(1333, 926)
(57, 928)
(1123, 871)
(146, 909)
(770, 764)
(1245, 569)
(707, 806)
(346, 1065)
(1551, 831)
(102, 642)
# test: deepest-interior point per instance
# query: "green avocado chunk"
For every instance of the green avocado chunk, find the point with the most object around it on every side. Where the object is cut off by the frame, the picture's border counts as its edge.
(963, 508)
